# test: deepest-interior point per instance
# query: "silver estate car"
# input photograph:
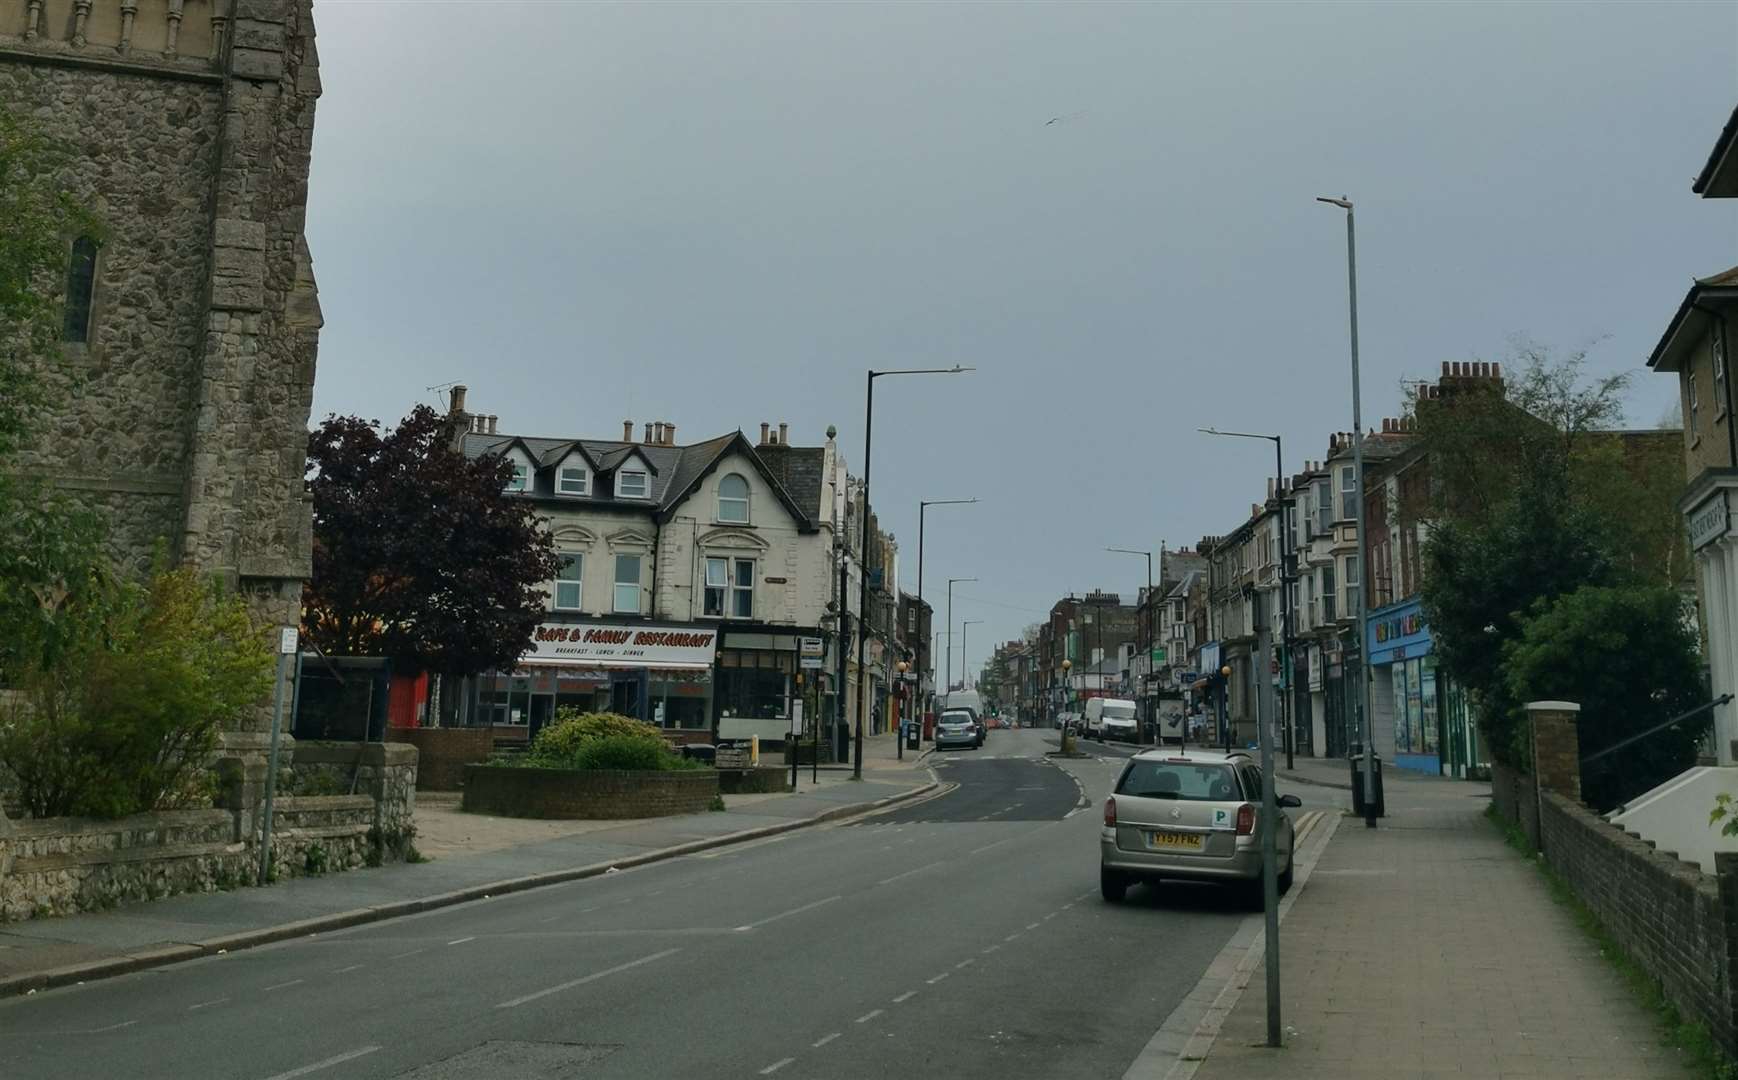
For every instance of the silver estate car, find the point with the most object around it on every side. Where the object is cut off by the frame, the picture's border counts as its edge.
(1189, 815)
(957, 727)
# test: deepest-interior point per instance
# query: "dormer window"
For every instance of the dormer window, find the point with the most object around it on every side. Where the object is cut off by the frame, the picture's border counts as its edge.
(521, 479)
(573, 480)
(733, 500)
(632, 484)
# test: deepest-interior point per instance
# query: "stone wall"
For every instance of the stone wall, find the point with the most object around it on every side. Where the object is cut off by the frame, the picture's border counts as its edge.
(600, 794)
(759, 781)
(383, 772)
(443, 753)
(63, 865)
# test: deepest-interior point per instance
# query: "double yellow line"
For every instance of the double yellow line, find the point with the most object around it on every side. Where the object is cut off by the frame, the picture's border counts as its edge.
(1305, 823)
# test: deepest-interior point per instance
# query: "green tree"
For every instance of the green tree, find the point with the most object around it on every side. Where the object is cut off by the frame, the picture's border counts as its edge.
(125, 712)
(1629, 656)
(1535, 496)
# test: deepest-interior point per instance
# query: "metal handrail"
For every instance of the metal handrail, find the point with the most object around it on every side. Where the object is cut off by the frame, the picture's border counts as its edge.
(1656, 729)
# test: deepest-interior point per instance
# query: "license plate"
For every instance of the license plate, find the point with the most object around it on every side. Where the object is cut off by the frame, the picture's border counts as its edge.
(1176, 840)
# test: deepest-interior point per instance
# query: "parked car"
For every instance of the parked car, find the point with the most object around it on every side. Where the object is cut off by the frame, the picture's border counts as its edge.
(1112, 718)
(1190, 815)
(957, 728)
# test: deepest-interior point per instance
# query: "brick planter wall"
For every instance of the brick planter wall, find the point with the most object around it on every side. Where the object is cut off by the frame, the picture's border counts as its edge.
(443, 753)
(760, 781)
(600, 794)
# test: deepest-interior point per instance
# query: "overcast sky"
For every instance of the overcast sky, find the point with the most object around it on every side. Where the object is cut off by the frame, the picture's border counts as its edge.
(718, 215)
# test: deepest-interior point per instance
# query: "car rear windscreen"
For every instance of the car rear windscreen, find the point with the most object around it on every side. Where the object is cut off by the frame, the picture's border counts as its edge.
(1179, 780)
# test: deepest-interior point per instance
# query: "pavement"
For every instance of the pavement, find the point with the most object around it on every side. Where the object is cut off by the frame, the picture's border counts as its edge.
(956, 934)
(472, 855)
(1428, 948)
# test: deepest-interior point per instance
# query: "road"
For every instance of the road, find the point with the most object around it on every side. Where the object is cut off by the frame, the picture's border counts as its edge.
(961, 936)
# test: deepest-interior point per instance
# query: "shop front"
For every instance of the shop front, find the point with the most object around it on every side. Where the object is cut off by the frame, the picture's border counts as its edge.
(658, 673)
(1407, 694)
(757, 687)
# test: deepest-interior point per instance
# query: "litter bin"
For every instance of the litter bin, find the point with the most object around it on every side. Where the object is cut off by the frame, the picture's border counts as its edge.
(913, 737)
(1358, 786)
(700, 752)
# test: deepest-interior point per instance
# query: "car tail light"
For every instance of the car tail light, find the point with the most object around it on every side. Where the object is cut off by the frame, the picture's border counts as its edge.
(1246, 819)
(1110, 810)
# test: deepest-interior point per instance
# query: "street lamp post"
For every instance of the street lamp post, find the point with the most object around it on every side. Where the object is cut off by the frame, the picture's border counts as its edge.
(965, 670)
(1286, 556)
(922, 509)
(947, 684)
(1364, 674)
(863, 591)
(1151, 719)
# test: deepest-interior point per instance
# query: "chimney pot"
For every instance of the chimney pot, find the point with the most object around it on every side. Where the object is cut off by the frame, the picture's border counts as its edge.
(784, 437)
(627, 431)
(1496, 369)
(1445, 367)
(764, 426)
(669, 434)
(492, 421)
(648, 439)
(657, 433)
(457, 405)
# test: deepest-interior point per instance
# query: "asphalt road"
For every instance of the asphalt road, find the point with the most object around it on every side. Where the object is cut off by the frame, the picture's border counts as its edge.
(962, 936)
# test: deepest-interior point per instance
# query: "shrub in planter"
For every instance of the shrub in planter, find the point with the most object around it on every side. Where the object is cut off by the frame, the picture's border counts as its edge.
(557, 744)
(622, 752)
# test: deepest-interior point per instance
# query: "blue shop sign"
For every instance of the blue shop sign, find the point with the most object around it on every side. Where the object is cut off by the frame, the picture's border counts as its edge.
(1398, 632)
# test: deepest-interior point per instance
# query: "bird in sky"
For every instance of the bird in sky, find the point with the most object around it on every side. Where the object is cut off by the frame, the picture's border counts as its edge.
(1065, 118)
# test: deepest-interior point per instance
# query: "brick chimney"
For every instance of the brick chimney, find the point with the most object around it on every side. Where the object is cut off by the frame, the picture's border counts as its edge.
(456, 407)
(627, 431)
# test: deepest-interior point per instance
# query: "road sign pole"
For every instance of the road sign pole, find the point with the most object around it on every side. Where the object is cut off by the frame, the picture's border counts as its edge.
(286, 647)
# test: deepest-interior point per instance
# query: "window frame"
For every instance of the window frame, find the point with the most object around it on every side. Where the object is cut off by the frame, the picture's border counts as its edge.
(645, 483)
(520, 482)
(1717, 346)
(1348, 491)
(1695, 410)
(78, 311)
(617, 584)
(578, 582)
(746, 499)
(561, 480)
(721, 601)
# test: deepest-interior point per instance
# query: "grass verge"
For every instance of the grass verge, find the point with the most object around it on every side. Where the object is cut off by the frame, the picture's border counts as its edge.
(1689, 1037)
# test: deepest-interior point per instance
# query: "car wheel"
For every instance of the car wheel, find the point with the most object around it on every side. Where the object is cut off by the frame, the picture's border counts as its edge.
(1285, 878)
(1112, 885)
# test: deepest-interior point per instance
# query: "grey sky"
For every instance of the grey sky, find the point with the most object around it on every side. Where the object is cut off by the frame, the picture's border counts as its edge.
(718, 215)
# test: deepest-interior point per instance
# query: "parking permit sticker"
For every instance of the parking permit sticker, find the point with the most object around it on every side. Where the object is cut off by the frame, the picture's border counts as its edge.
(1221, 817)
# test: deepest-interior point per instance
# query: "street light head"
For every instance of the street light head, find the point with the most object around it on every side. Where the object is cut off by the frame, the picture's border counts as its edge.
(1226, 671)
(1066, 664)
(1342, 202)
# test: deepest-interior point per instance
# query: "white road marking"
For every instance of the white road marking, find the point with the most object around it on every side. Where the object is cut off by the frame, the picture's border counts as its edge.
(905, 997)
(967, 962)
(1031, 926)
(908, 873)
(593, 977)
(207, 1004)
(788, 914)
(1050, 916)
(551, 919)
(327, 1064)
(825, 1039)
(283, 985)
(461, 941)
(998, 843)
(776, 1066)
(938, 978)
(402, 955)
(868, 1016)
(986, 950)
(1010, 937)
(352, 967)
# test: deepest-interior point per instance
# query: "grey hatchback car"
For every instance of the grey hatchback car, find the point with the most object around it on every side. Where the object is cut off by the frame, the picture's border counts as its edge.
(958, 727)
(1189, 815)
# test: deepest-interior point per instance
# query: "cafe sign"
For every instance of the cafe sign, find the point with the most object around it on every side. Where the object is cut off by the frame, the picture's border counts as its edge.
(616, 645)
(1709, 521)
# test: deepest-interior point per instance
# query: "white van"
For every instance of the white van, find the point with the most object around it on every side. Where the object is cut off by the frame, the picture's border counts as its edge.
(965, 699)
(1112, 718)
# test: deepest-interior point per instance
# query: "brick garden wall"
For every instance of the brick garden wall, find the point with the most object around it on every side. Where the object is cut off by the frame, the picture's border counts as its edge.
(1665, 913)
(600, 794)
(443, 753)
(1512, 795)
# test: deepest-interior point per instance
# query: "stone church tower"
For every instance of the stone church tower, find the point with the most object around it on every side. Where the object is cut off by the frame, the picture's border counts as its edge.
(181, 407)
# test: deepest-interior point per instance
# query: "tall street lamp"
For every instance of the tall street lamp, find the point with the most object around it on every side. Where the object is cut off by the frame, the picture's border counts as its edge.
(965, 669)
(1364, 674)
(947, 686)
(922, 509)
(1151, 719)
(1285, 577)
(863, 592)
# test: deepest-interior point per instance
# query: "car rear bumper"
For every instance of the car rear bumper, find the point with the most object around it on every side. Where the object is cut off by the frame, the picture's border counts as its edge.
(967, 739)
(1243, 864)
